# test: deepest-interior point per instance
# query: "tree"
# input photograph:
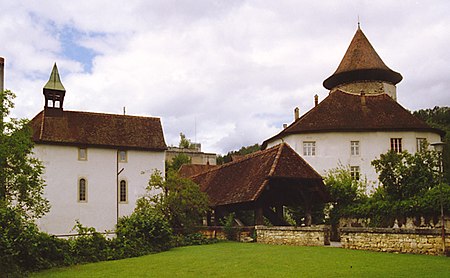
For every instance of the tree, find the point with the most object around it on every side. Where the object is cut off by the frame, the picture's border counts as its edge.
(21, 184)
(185, 143)
(344, 190)
(177, 161)
(439, 117)
(242, 151)
(404, 175)
(179, 199)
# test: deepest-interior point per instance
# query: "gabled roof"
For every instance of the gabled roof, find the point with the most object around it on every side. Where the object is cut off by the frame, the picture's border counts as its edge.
(98, 129)
(343, 112)
(244, 180)
(189, 170)
(360, 63)
(54, 82)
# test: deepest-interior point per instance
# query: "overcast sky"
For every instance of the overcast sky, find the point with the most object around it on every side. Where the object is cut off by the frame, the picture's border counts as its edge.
(225, 73)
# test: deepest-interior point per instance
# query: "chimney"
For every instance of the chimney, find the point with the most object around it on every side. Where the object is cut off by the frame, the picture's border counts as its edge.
(363, 98)
(296, 113)
(284, 126)
(316, 100)
(2, 74)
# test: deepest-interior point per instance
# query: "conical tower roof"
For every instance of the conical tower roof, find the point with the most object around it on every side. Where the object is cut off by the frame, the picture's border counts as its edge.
(54, 83)
(361, 63)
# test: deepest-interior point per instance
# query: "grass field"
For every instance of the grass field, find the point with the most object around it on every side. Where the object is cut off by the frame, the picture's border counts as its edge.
(230, 259)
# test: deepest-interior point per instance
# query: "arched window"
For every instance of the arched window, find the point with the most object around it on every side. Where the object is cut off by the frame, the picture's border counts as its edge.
(123, 192)
(82, 190)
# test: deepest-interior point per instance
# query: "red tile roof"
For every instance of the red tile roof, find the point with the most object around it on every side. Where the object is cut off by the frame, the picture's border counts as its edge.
(343, 112)
(244, 180)
(189, 170)
(98, 129)
(361, 62)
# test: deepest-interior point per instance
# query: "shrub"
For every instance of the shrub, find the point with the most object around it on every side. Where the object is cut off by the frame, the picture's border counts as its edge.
(144, 231)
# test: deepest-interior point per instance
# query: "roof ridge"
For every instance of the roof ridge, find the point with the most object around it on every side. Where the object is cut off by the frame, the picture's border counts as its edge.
(246, 157)
(109, 114)
(277, 158)
(41, 129)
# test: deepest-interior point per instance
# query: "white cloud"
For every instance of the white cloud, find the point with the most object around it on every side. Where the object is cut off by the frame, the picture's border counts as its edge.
(228, 73)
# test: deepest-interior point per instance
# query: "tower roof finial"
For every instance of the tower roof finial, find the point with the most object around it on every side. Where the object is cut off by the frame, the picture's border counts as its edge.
(359, 25)
(54, 83)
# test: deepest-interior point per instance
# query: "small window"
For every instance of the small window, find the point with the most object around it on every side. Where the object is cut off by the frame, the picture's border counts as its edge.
(396, 145)
(123, 192)
(354, 172)
(122, 156)
(421, 144)
(82, 190)
(309, 148)
(82, 153)
(354, 147)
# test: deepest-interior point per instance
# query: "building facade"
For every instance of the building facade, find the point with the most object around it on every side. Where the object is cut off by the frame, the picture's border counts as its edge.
(359, 119)
(96, 165)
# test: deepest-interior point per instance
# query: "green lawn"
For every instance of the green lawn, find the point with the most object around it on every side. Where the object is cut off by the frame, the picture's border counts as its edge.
(229, 259)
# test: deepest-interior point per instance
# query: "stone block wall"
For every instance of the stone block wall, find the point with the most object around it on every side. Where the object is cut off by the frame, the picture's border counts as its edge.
(242, 233)
(305, 236)
(416, 241)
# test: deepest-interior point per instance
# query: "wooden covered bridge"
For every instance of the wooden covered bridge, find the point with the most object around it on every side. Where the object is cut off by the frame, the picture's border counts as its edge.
(263, 182)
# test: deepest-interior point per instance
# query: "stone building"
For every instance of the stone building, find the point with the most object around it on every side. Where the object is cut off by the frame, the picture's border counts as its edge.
(96, 164)
(195, 153)
(359, 119)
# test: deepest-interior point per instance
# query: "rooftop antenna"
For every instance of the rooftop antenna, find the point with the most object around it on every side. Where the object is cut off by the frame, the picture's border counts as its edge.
(124, 111)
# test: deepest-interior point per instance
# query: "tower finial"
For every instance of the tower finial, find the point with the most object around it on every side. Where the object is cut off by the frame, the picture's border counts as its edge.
(359, 25)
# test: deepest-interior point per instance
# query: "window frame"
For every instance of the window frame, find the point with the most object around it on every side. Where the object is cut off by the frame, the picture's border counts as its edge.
(355, 148)
(396, 145)
(419, 142)
(80, 157)
(79, 199)
(119, 158)
(355, 172)
(309, 148)
(126, 191)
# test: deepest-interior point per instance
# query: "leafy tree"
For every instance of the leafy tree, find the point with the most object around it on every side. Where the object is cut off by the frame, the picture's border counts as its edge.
(404, 175)
(177, 161)
(344, 191)
(180, 200)
(21, 184)
(439, 117)
(185, 143)
(242, 151)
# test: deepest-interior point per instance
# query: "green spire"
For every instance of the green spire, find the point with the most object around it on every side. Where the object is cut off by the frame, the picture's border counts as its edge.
(54, 83)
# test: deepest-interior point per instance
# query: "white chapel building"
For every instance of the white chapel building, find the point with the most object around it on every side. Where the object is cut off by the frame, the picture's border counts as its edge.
(96, 165)
(359, 119)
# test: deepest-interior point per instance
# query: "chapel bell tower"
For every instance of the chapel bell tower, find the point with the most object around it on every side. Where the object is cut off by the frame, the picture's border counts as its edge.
(54, 92)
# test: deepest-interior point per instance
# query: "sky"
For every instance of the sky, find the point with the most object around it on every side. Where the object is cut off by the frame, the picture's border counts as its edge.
(225, 73)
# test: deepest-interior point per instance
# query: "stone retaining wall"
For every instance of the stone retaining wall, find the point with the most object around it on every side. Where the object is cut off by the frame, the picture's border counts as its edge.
(416, 241)
(241, 233)
(306, 236)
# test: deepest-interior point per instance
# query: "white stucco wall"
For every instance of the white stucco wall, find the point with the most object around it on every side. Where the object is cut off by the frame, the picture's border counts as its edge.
(63, 171)
(333, 148)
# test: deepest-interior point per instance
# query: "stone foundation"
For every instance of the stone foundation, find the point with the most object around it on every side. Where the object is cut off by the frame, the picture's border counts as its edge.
(416, 241)
(305, 236)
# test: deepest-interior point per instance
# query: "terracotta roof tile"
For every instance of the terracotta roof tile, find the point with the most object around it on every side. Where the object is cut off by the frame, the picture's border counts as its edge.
(343, 112)
(244, 180)
(189, 170)
(98, 129)
(361, 62)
